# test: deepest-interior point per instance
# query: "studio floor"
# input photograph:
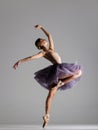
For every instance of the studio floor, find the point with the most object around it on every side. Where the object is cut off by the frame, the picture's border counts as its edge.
(51, 127)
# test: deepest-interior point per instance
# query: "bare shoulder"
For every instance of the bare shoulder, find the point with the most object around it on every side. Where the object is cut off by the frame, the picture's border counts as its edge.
(41, 53)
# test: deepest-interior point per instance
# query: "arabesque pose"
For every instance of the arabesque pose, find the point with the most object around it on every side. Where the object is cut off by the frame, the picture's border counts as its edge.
(58, 76)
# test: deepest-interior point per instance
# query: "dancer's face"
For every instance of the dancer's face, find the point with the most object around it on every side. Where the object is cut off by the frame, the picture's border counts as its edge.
(41, 44)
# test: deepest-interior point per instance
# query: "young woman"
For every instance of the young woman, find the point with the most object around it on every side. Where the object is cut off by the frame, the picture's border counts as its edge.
(56, 76)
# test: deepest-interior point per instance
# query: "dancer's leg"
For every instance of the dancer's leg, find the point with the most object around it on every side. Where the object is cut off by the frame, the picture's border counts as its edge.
(69, 79)
(53, 91)
(73, 77)
(49, 99)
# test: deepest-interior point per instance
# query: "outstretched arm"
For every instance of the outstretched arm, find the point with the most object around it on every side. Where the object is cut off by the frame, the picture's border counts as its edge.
(36, 56)
(51, 45)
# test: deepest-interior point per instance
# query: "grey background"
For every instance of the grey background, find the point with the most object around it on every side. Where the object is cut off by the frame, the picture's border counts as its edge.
(74, 27)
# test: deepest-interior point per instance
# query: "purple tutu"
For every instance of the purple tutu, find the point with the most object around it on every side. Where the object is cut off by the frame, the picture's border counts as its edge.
(49, 76)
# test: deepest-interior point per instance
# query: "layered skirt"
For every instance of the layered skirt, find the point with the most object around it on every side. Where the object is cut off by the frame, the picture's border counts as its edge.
(49, 76)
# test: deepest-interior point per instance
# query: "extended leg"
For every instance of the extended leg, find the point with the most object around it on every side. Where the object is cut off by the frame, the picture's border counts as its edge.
(73, 77)
(69, 79)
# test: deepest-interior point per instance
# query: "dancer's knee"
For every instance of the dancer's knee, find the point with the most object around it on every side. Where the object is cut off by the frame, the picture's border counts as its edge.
(78, 74)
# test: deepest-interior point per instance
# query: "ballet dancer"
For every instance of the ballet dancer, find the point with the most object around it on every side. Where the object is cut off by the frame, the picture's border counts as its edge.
(57, 76)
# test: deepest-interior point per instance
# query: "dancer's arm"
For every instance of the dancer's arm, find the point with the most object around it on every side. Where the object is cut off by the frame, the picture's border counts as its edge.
(36, 56)
(51, 45)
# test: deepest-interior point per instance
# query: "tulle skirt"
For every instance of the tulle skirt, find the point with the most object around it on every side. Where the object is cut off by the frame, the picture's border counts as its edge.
(49, 76)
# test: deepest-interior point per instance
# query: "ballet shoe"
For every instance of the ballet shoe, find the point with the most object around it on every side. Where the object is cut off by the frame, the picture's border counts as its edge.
(46, 119)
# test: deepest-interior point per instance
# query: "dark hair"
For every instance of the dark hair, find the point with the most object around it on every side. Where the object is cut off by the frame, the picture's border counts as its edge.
(37, 41)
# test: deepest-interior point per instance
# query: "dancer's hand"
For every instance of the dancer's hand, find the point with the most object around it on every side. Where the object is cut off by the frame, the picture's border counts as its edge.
(16, 64)
(38, 26)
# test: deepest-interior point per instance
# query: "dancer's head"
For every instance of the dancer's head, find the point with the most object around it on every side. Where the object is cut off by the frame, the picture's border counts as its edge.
(40, 43)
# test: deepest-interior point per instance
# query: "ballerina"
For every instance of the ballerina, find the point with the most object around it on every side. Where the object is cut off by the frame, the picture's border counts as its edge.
(58, 76)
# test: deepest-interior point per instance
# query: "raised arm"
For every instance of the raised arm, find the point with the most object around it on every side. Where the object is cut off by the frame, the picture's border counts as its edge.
(51, 45)
(36, 56)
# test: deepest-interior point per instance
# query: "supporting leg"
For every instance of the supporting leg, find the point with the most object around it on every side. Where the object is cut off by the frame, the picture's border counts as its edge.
(49, 99)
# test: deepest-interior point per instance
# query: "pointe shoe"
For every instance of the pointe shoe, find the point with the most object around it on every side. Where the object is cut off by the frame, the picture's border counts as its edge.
(46, 119)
